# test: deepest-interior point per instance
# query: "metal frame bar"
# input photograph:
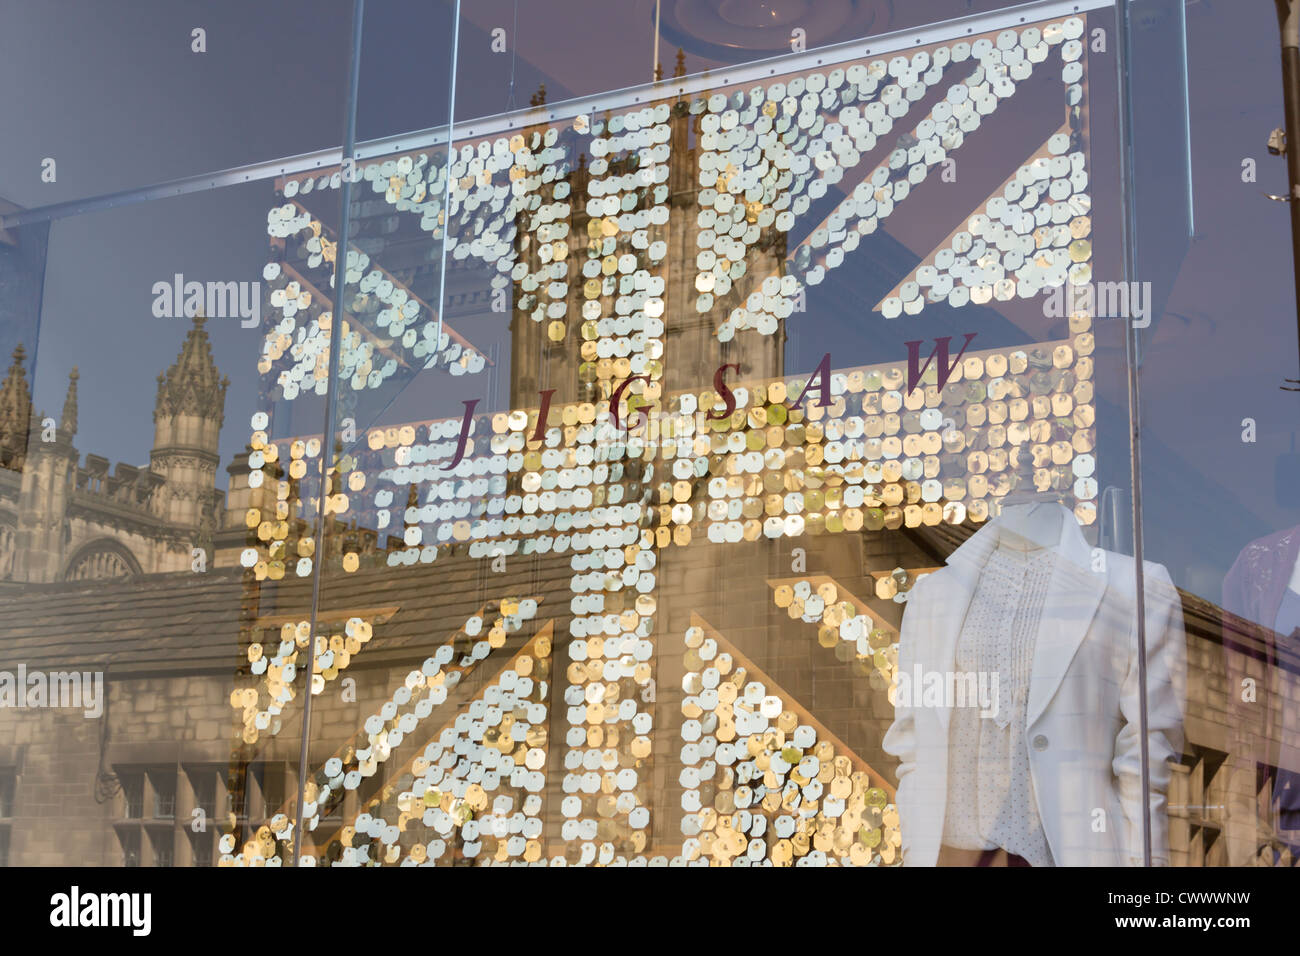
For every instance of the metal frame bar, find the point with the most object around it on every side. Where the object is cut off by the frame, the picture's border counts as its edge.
(331, 411)
(1187, 112)
(446, 194)
(567, 109)
(1133, 361)
(1288, 22)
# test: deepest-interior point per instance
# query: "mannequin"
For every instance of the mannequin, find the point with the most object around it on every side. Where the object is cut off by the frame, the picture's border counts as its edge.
(1031, 514)
(1021, 597)
(1263, 590)
(991, 818)
(1035, 523)
(1264, 570)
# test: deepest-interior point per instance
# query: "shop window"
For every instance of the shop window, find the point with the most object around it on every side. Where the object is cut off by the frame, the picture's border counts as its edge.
(164, 846)
(1197, 806)
(132, 794)
(163, 785)
(236, 797)
(201, 848)
(203, 782)
(207, 785)
(130, 841)
(1277, 842)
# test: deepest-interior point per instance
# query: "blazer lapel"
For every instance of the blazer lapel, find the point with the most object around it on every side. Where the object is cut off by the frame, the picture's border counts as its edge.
(962, 577)
(1073, 596)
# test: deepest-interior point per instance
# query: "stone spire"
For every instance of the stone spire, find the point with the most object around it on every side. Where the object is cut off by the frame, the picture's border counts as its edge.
(192, 386)
(187, 417)
(15, 413)
(69, 421)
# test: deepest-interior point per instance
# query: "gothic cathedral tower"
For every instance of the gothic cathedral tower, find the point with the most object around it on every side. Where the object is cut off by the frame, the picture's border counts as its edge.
(48, 475)
(187, 416)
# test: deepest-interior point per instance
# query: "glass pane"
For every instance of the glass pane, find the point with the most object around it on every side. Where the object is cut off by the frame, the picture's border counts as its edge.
(632, 616)
(1220, 470)
(405, 77)
(512, 54)
(417, 336)
(160, 515)
(185, 90)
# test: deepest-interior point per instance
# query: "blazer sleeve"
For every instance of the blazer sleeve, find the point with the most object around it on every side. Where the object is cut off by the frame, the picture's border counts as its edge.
(900, 739)
(1166, 689)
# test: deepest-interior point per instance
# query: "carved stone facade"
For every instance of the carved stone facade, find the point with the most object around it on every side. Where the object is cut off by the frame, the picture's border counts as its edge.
(65, 518)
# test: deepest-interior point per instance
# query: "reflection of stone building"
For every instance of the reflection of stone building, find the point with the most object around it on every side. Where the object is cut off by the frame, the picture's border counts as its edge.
(174, 646)
(66, 519)
(125, 788)
(178, 648)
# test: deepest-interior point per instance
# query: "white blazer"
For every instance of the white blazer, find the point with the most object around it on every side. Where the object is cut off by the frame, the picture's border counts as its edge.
(1082, 725)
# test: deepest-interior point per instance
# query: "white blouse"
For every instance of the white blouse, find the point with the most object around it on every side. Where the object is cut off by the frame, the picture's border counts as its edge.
(990, 792)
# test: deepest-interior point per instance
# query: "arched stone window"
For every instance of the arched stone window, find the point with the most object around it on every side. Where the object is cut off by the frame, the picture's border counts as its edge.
(100, 560)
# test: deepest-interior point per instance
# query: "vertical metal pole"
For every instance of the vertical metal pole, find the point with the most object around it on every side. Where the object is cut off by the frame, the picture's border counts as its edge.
(1288, 21)
(654, 66)
(1133, 358)
(446, 196)
(331, 402)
